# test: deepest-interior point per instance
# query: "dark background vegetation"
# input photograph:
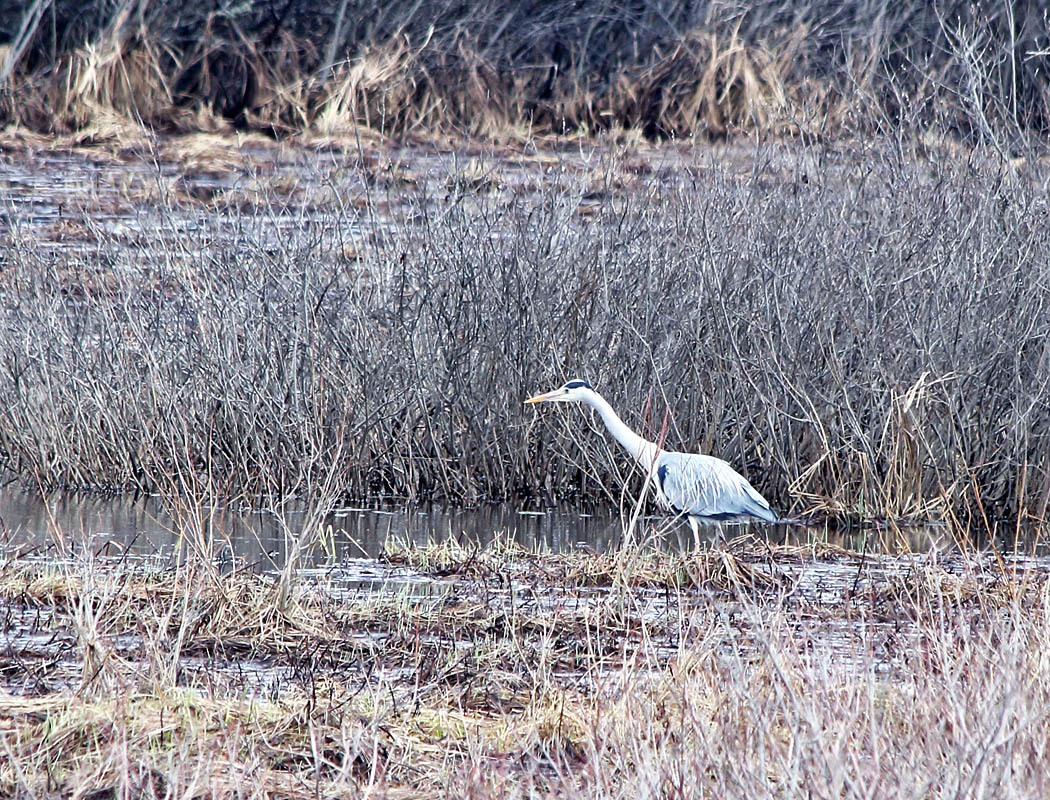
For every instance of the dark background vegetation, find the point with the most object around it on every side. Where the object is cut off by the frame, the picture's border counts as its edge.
(975, 70)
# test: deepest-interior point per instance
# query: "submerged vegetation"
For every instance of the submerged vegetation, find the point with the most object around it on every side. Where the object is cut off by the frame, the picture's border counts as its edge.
(745, 672)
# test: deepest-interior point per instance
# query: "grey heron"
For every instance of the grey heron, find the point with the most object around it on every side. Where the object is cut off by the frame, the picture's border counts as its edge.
(703, 488)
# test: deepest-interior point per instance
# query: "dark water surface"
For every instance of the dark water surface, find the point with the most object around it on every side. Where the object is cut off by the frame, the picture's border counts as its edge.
(147, 526)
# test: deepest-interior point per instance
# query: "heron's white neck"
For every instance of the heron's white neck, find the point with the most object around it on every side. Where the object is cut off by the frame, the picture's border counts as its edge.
(643, 451)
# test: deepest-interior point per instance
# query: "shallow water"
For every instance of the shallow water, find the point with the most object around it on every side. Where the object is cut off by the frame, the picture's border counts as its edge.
(146, 526)
(837, 603)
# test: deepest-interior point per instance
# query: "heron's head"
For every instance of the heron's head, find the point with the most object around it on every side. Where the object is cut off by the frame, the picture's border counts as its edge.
(572, 392)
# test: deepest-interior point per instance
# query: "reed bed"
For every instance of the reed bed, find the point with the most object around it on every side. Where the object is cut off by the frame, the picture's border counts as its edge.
(516, 680)
(974, 70)
(861, 329)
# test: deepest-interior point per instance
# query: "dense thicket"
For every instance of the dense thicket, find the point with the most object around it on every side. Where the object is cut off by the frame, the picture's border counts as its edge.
(870, 337)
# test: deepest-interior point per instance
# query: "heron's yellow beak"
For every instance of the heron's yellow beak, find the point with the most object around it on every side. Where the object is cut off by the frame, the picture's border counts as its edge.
(541, 398)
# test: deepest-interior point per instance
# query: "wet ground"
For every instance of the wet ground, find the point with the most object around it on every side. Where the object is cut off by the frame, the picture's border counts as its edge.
(189, 195)
(70, 200)
(396, 619)
(458, 584)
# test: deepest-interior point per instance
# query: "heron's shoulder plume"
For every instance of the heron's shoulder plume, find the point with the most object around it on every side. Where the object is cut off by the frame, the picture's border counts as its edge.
(577, 384)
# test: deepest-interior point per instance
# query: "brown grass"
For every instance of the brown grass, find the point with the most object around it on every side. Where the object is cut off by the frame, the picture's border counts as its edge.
(523, 674)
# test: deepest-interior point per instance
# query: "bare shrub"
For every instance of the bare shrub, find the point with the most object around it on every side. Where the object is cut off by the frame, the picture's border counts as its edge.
(864, 333)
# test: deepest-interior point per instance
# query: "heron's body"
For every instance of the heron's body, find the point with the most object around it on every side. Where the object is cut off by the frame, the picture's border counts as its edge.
(704, 488)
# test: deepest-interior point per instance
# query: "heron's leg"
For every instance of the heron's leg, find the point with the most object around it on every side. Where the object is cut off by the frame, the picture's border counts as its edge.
(696, 531)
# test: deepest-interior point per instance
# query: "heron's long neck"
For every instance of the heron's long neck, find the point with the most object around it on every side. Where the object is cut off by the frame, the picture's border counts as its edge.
(643, 451)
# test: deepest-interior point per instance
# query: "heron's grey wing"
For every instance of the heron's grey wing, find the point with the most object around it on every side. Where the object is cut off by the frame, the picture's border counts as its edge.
(704, 486)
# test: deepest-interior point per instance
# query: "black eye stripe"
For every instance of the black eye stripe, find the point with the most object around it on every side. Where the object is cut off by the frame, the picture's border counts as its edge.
(577, 385)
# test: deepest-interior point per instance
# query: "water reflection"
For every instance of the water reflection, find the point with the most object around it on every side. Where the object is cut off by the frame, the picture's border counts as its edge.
(147, 527)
